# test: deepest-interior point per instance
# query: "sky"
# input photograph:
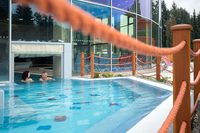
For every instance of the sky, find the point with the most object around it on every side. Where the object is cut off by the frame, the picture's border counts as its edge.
(189, 5)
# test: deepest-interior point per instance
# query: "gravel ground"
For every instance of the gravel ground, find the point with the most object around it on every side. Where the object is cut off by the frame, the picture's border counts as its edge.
(195, 123)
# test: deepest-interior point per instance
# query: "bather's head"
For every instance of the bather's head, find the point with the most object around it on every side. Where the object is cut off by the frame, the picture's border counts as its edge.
(25, 75)
(44, 75)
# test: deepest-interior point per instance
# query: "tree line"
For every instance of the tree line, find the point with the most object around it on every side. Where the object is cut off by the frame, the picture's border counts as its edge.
(176, 16)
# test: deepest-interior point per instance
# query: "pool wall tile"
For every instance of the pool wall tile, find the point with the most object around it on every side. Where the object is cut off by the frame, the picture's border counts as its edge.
(1, 116)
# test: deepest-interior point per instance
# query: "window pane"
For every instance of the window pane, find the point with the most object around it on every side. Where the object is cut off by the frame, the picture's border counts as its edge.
(4, 40)
(30, 25)
(129, 5)
(88, 44)
(125, 23)
(105, 2)
(144, 8)
(144, 35)
(155, 10)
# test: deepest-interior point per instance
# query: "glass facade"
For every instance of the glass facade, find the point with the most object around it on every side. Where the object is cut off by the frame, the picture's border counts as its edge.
(139, 19)
(4, 40)
(30, 25)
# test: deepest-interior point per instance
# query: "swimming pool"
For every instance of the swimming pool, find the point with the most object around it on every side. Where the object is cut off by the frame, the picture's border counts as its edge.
(76, 106)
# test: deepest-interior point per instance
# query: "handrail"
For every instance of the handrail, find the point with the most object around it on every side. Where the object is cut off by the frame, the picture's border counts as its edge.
(195, 105)
(80, 20)
(113, 58)
(145, 67)
(183, 127)
(166, 79)
(174, 110)
(196, 80)
(145, 75)
(166, 69)
(145, 62)
(194, 53)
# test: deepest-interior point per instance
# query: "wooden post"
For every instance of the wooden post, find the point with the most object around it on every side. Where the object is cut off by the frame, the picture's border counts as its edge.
(181, 72)
(157, 68)
(92, 65)
(133, 63)
(82, 64)
(196, 44)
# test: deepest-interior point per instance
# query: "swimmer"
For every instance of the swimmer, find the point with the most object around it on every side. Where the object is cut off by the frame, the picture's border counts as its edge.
(45, 77)
(26, 77)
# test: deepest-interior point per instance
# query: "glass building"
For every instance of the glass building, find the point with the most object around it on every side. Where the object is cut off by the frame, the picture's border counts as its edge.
(30, 39)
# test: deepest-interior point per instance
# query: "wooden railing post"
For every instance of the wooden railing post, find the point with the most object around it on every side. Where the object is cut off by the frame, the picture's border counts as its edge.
(196, 44)
(133, 63)
(82, 64)
(181, 72)
(157, 68)
(92, 65)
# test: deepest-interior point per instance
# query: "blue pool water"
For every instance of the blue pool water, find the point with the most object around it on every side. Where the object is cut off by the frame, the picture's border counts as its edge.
(76, 106)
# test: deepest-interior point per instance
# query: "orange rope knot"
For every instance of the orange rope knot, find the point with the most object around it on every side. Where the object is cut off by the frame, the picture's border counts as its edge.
(174, 110)
(62, 11)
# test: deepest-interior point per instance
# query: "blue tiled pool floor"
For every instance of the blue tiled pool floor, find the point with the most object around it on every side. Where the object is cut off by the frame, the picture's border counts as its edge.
(80, 106)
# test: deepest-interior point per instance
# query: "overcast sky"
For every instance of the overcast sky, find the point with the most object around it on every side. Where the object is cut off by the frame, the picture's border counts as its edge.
(189, 5)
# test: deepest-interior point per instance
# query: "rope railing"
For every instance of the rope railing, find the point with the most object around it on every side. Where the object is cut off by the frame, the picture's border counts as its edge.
(194, 53)
(87, 73)
(87, 58)
(183, 127)
(88, 65)
(145, 62)
(174, 110)
(195, 105)
(167, 59)
(191, 71)
(112, 64)
(115, 72)
(145, 75)
(80, 20)
(166, 79)
(196, 80)
(145, 67)
(112, 58)
(192, 58)
(166, 69)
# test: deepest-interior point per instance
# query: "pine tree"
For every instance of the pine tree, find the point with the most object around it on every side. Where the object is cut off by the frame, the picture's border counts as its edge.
(165, 17)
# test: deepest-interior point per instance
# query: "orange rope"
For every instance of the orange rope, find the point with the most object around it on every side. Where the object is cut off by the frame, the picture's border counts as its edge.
(87, 65)
(166, 69)
(114, 72)
(191, 71)
(112, 64)
(192, 58)
(167, 59)
(78, 19)
(145, 62)
(145, 75)
(193, 53)
(195, 105)
(183, 127)
(196, 80)
(145, 67)
(166, 79)
(112, 58)
(87, 58)
(174, 110)
(88, 73)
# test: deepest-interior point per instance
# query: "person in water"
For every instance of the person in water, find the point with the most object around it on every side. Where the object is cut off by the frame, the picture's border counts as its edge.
(45, 77)
(26, 77)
